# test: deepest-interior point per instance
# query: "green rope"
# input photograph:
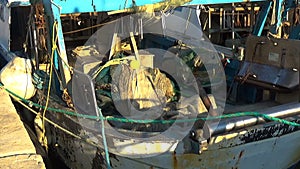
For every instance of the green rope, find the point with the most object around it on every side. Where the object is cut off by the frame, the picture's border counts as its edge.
(124, 120)
(104, 140)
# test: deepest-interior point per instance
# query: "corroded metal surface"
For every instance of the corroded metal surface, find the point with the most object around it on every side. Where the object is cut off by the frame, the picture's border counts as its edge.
(269, 145)
(275, 152)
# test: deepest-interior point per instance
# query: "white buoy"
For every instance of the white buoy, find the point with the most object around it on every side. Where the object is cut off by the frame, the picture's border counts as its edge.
(16, 76)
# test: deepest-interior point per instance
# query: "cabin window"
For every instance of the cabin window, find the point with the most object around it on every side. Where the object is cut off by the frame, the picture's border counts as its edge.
(2, 12)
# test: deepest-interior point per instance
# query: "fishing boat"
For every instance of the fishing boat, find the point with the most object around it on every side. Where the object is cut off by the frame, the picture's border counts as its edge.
(139, 85)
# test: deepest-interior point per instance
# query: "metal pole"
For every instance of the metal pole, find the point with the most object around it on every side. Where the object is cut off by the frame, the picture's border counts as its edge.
(252, 17)
(221, 19)
(209, 22)
(232, 27)
(227, 125)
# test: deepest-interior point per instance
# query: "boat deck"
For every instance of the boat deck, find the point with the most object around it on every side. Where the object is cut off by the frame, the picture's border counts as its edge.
(16, 147)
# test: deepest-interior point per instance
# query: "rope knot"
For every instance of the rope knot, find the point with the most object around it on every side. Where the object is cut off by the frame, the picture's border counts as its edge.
(54, 47)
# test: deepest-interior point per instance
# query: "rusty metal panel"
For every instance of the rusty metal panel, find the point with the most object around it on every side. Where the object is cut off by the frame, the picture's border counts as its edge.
(282, 53)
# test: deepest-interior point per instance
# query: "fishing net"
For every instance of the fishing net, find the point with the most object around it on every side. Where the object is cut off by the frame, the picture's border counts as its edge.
(146, 76)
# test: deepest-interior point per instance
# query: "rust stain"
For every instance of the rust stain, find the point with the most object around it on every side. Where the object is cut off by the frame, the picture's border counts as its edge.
(239, 159)
(241, 154)
(175, 162)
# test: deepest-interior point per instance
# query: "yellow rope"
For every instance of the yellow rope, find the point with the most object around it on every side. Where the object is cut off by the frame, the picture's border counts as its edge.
(54, 47)
(115, 62)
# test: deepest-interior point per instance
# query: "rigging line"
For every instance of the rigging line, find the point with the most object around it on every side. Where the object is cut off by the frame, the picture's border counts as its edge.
(124, 120)
(29, 37)
(65, 62)
(125, 4)
(29, 24)
(53, 123)
(104, 140)
(187, 21)
(54, 40)
(87, 28)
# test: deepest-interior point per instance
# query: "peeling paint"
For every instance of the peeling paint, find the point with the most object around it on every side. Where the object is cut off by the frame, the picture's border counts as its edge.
(267, 131)
(239, 158)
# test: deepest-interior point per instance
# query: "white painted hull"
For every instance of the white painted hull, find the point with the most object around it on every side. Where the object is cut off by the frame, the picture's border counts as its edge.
(273, 146)
(274, 153)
